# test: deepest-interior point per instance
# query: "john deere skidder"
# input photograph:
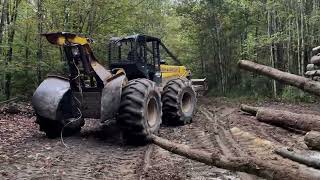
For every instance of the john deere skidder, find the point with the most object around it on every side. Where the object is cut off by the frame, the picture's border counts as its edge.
(138, 89)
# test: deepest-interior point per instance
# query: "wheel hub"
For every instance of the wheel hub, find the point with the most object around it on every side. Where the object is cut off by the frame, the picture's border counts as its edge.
(152, 112)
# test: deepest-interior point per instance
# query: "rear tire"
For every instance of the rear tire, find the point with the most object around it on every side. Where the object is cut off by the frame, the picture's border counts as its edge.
(140, 111)
(179, 102)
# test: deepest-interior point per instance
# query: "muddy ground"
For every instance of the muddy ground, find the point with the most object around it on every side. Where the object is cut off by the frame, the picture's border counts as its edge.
(98, 152)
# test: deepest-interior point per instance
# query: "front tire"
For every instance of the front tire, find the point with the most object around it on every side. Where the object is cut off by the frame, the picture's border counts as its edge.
(140, 111)
(179, 102)
(68, 122)
(54, 128)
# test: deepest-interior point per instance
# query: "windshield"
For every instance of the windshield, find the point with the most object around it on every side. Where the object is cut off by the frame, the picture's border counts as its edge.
(121, 51)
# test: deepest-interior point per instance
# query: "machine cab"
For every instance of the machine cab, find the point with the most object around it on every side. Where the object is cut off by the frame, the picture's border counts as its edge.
(138, 55)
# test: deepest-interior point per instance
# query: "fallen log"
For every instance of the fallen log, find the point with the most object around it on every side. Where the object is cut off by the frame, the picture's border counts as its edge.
(249, 109)
(304, 122)
(243, 164)
(300, 158)
(312, 140)
(300, 82)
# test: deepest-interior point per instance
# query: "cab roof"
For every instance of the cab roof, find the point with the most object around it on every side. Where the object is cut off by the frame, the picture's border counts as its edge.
(136, 37)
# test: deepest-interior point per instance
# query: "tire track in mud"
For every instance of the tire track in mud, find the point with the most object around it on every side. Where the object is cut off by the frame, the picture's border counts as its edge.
(205, 135)
(89, 156)
(197, 136)
(226, 142)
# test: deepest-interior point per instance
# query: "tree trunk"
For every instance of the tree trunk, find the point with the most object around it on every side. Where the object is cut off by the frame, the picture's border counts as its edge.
(302, 37)
(300, 158)
(4, 14)
(12, 31)
(300, 82)
(305, 122)
(298, 46)
(312, 140)
(243, 164)
(272, 59)
(40, 30)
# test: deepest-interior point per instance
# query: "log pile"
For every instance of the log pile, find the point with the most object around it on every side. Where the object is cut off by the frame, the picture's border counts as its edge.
(305, 122)
(289, 120)
(301, 122)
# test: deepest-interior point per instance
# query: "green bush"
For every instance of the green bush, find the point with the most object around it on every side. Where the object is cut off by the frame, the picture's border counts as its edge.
(293, 94)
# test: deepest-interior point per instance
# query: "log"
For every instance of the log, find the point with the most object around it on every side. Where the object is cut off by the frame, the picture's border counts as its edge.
(300, 82)
(312, 140)
(243, 164)
(249, 109)
(294, 156)
(304, 122)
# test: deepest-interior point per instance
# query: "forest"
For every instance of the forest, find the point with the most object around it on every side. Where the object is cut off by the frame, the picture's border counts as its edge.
(208, 36)
(136, 117)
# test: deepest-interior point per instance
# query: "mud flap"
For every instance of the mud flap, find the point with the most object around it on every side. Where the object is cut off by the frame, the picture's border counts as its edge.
(48, 97)
(111, 98)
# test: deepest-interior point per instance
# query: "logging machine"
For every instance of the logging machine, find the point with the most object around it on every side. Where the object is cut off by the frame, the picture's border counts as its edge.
(138, 88)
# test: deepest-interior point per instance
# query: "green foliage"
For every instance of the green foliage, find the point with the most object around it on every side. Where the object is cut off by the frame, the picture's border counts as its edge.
(296, 95)
(208, 36)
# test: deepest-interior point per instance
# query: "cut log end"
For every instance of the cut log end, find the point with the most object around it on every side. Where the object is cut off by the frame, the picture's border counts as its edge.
(312, 140)
(249, 109)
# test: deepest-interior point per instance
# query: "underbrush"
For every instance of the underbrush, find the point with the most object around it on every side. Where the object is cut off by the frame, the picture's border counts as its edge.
(289, 94)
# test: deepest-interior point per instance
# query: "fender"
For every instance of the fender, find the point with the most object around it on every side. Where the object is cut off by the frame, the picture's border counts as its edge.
(48, 97)
(111, 97)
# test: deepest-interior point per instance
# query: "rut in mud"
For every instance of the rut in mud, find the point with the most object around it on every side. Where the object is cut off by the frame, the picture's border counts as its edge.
(98, 152)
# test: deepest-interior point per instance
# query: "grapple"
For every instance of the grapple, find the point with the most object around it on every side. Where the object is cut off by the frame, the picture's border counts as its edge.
(90, 88)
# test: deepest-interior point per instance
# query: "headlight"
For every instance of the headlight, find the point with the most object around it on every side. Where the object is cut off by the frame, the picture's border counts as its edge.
(75, 51)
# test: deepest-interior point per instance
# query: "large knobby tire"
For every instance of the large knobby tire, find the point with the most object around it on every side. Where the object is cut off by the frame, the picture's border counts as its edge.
(179, 102)
(140, 111)
(69, 119)
(53, 128)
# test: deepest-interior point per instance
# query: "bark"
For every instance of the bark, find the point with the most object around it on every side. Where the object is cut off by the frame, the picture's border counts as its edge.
(300, 158)
(305, 122)
(302, 37)
(4, 13)
(12, 23)
(312, 140)
(272, 57)
(300, 82)
(40, 45)
(249, 109)
(298, 46)
(243, 164)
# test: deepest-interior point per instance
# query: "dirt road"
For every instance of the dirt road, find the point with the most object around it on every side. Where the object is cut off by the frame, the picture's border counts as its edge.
(98, 152)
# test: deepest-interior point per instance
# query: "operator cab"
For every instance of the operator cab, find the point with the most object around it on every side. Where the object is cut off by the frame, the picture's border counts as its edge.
(139, 56)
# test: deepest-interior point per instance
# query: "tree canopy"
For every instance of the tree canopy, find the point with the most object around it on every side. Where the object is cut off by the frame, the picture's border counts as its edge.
(208, 36)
